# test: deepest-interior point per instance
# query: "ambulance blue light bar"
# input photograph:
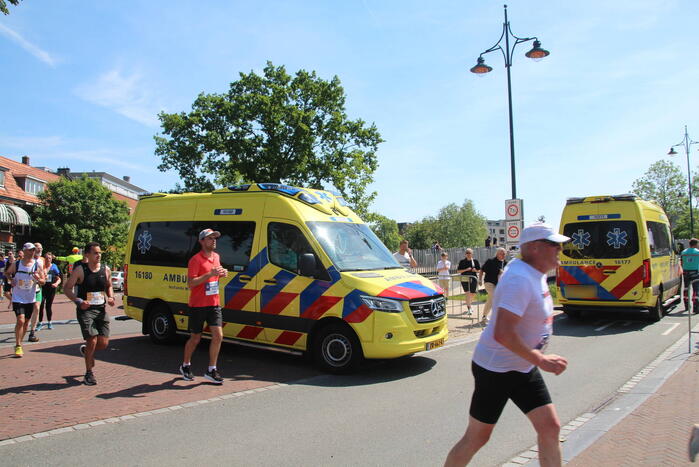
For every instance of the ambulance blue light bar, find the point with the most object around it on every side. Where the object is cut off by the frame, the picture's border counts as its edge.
(289, 190)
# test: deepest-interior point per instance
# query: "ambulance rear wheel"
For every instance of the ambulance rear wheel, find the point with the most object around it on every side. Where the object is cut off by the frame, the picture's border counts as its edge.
(163, 329)
(656, 313)
(336, 349)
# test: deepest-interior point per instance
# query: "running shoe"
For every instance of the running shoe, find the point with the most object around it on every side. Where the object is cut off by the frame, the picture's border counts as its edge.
(186, 372)
(18, 351)
(39, 326)
(32, 337)
(50, 326)
(213, 376)
(90, 379)
(82, 350)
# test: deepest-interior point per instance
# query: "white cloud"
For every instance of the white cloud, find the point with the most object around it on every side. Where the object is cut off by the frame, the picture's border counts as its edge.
(28, 46)
(126, 94)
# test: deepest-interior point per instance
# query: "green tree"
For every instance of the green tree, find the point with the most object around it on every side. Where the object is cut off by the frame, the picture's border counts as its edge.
(460, 226)
(272, 128)
(386, 229)
(3, 5)
(74, 212)
(664, 183)
(421, 234)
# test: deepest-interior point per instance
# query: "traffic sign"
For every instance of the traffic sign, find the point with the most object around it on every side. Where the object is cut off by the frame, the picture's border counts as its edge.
(513, 210)
(513, 229)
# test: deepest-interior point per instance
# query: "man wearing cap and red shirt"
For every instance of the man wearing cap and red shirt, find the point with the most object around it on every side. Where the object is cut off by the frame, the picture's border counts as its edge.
(510, 351)
(203, 272)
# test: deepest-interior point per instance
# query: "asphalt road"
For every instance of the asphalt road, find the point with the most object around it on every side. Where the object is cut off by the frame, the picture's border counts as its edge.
(403, 412)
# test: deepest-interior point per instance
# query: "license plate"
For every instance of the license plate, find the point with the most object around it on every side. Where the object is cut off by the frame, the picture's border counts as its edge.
(434, 344)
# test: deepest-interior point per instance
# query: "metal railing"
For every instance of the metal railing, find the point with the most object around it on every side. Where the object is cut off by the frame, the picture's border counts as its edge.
(691, 297)
(459, 308)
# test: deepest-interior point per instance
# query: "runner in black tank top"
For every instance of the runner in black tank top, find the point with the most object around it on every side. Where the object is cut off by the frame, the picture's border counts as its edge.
(95, 284)
(94, 293)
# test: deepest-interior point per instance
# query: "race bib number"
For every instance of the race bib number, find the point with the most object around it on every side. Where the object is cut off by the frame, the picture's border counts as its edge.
(211, 288)
(25, 284)
(543, 343)
(95, 298)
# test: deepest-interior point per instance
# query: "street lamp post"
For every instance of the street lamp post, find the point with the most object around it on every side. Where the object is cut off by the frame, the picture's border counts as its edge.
(536, 53)
(687, 143)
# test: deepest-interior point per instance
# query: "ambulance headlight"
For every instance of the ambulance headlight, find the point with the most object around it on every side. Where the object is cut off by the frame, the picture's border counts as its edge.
(383, 304)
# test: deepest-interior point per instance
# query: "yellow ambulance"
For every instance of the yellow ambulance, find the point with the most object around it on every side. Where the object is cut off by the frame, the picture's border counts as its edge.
(620, 256)
(305, 275)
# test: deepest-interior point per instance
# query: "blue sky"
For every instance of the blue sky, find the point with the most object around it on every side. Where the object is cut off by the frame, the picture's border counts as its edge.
(82, 84)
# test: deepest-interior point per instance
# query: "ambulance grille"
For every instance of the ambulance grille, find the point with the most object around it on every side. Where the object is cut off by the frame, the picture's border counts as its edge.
(429, 309)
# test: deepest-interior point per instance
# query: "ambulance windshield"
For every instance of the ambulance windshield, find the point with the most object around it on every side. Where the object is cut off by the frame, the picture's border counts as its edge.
(352, 247)
(601, 240)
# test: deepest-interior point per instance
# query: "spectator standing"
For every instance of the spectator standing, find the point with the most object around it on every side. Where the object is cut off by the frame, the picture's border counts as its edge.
(443, 275)
(690, 270)
(469, 268)
(203, 273)
(404, 256)
(93, 283)
(487, 242)
(53, 280)
(492, 269)
(511, 352)
(3, 265)
(27, 277)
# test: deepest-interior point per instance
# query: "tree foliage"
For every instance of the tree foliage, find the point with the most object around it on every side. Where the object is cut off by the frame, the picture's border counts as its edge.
(3, 5)
(272, 128)
(386, 229)
(664, 183)
(454, 226)
(74, 212)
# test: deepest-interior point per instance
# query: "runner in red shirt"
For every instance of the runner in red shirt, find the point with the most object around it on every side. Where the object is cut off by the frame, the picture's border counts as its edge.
(203, 272)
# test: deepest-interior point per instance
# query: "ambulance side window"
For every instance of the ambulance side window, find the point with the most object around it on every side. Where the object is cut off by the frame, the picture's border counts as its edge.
(659, 238)
(285, 244)
(235, 244)
(163, 243)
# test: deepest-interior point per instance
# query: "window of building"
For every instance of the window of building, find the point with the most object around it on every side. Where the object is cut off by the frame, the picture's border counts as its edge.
(2, 178)
(33, 186)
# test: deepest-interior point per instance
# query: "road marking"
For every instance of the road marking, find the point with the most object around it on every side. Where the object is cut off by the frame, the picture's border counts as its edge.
(605, 326)
(672, 328)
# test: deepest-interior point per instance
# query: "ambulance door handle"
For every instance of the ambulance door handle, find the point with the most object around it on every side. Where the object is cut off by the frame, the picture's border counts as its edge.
(245, 278)
(270, 281)
(608, 272)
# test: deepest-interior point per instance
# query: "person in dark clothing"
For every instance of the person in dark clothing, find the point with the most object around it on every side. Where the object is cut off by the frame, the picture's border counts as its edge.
(492, 269)
(53, 280)
(94, 293)
(469, 268)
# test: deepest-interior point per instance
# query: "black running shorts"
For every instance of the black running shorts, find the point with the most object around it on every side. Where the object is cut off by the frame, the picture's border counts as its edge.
(199, 314)
(469, 285)
(527, 390)
(25, 309)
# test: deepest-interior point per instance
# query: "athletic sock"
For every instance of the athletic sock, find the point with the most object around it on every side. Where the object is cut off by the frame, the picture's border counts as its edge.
(211, 368)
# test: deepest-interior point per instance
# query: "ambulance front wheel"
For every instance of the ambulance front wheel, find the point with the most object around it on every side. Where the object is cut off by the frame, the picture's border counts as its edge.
(336, 349)
(163, 329)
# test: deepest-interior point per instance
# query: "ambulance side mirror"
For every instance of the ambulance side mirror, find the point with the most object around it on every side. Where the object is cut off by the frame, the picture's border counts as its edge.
(307, 265)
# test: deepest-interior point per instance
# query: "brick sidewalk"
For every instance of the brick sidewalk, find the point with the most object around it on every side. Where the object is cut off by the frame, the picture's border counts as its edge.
(657, 432)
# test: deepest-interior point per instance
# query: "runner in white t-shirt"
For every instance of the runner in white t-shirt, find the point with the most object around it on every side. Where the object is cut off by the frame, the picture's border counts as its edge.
(510, 352)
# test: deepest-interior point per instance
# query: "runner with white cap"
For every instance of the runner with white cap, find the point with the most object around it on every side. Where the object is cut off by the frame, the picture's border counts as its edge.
(511, 351)
(203, 272)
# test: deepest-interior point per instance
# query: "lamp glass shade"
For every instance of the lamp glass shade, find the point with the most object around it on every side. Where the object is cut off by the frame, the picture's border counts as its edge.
(537, 53)
(672, 152)
(481, 67)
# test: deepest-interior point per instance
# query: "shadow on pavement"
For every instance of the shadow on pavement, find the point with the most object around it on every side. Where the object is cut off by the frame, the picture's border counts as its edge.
(589, 323)
(30, 388)
(142, 389)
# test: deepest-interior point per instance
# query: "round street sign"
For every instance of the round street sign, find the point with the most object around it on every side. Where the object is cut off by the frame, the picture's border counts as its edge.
(513, 232)
(512, 210)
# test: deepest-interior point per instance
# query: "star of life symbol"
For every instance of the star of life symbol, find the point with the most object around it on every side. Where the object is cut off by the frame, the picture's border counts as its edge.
(617, 238)
(144, 242)
(581, 239)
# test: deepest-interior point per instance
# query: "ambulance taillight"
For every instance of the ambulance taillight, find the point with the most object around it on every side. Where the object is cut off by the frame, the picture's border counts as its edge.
(646, 273)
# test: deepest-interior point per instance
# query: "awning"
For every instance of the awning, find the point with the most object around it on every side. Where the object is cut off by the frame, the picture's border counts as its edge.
(13, 215)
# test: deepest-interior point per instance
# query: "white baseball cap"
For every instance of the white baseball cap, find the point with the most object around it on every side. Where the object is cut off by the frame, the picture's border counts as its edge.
(28, 246)
(208, 232)
(540, 231)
